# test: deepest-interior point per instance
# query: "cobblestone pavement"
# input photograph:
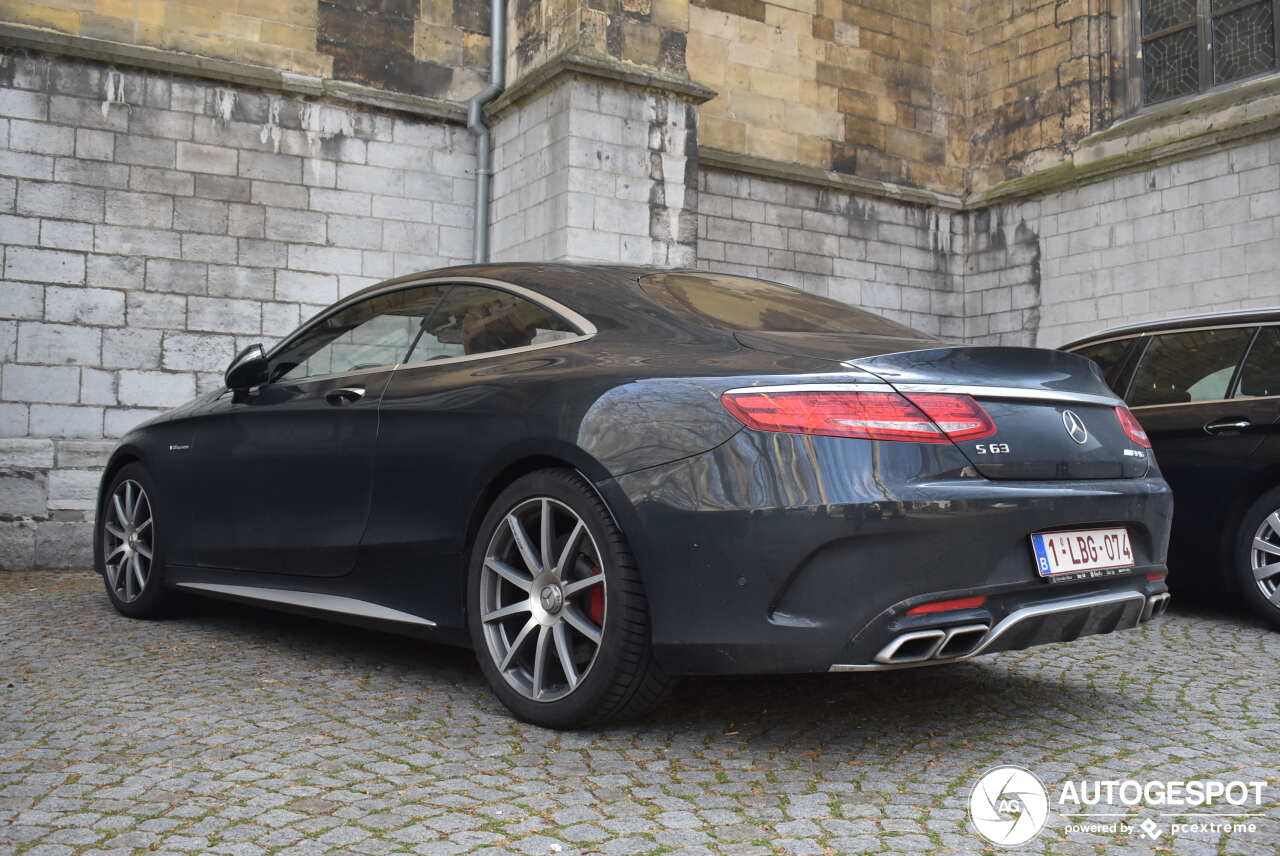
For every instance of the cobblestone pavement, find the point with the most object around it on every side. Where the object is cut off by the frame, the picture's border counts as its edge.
(241, 731)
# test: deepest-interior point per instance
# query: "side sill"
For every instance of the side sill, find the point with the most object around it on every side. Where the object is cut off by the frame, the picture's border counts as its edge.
(312, 600)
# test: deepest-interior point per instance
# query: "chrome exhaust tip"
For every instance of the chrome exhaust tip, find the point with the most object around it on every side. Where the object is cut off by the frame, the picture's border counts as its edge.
(937, 644)
(1157, 605)
(914, 647)
(962, 641)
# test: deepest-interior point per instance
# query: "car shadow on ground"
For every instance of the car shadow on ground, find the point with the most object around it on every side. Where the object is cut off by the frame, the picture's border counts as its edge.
(1002, 692)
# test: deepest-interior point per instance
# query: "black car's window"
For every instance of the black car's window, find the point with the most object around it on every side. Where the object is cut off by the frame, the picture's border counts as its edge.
(1110, 357)
(1260, 374)
(473, 319)
(374, 332)
(1178, 368)
(741, 303)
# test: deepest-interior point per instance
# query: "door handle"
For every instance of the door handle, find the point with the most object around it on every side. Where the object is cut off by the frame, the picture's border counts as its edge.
(1228, 425)
(344, 395)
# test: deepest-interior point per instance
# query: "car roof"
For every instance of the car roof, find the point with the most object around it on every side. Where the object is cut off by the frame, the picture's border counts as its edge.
(582, 287)
(1188, 322)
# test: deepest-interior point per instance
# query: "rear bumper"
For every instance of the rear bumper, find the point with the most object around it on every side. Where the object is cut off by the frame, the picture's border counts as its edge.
(950, 639)
(778, 553)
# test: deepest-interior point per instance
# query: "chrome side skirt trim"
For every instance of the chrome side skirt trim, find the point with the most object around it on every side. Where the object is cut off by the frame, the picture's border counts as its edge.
(312, 600)
(1009, 622)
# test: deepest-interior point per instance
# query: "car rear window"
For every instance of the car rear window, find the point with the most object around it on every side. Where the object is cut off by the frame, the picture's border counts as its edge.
(1183, 368)
(742, 303)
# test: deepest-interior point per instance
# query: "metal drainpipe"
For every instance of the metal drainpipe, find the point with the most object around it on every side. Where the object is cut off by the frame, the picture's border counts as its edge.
(476, 124)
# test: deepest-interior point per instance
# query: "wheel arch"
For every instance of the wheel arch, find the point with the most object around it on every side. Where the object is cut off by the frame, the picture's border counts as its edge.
(518, 464)
(1266, 479)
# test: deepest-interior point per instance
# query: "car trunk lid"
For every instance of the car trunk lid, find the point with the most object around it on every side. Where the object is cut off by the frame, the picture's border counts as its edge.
(1055, 417)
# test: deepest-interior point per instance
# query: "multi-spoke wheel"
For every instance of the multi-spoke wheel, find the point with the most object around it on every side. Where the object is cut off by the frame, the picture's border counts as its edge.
(127, 546)
(128, 541)
(1258, 557)
(542, 598)
(1264, 558)
(556, 608)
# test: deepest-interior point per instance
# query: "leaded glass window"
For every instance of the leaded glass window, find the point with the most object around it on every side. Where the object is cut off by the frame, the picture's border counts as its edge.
(1192, 45)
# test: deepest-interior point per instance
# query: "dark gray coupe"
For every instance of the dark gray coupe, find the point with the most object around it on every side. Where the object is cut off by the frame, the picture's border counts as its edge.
(602, 477)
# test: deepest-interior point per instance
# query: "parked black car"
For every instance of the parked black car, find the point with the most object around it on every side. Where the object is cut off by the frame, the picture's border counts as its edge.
(600, 477)
(1207, 391)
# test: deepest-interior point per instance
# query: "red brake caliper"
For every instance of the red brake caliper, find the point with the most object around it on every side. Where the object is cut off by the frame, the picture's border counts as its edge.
(595, 602)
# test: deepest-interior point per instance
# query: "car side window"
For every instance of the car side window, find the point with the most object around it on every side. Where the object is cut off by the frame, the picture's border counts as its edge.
(1182, 368)
(1260, 374)
(1110, 357)
(473, 319)
(372, 333)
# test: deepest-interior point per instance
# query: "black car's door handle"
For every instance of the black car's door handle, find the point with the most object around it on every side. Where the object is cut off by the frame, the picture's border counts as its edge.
(1228, 425)
(344, 395)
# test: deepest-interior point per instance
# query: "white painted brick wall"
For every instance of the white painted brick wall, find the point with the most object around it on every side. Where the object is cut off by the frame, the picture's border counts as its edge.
(1198, 235)
(595, 171)
(143, 243)
(901, 261)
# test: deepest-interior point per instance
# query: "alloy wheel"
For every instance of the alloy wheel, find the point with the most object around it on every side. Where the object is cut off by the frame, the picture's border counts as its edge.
(1264, 557)
(542, 599)
(128, 536)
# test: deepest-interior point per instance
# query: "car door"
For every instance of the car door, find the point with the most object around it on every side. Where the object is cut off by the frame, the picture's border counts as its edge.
(1181, 392)
(288, 465)
(463, 397)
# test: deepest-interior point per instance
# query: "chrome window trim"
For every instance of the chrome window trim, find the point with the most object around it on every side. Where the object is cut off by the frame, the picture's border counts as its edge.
(1239, 400)
(1010, 392)
(1127, 331)
(1171, 331)
(575, 319)
(313, 600)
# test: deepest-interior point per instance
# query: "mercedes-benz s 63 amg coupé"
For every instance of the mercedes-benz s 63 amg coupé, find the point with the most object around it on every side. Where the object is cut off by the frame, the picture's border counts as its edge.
(603, 477)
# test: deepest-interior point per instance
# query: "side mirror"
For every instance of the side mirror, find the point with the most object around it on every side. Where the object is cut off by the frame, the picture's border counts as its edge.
(248, 369)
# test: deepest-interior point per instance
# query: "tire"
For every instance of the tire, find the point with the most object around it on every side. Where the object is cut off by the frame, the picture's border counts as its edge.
(545, 588)
(1258, 570)
(135, 582)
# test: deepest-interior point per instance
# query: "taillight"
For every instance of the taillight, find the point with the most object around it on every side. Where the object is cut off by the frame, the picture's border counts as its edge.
(1133, 428)
(866, 415)
(959, 416)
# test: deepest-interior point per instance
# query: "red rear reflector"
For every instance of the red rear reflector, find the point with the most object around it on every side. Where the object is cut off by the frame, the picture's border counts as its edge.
(1155, 577)
(1132, 427)
(947, 605)
(866, 415)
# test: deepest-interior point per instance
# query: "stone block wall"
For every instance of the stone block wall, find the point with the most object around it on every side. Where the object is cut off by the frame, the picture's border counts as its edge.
(1198, 235)
(901, 260)
(151, 225)
(1039, 80)
(438, 48)
(873, 88)
(596, 171)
